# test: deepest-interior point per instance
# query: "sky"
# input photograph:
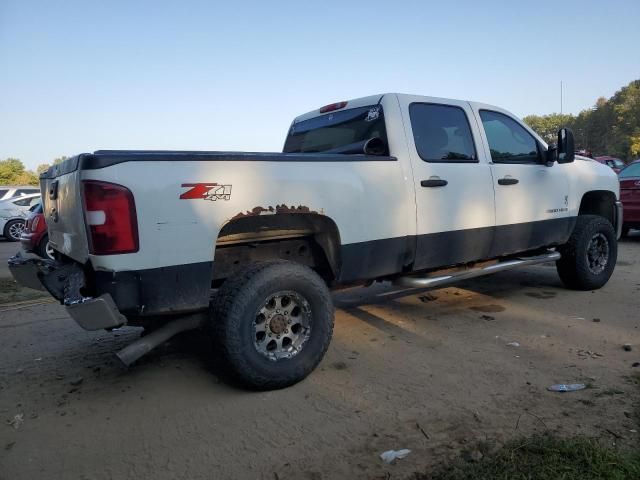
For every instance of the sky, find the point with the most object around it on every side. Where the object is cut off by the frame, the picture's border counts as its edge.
(78, 76)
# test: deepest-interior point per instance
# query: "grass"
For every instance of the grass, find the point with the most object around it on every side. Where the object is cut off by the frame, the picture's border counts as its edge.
(545, 457)
(548, 457)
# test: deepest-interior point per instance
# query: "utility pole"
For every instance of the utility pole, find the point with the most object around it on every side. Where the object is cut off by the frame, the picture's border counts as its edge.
(560, 97)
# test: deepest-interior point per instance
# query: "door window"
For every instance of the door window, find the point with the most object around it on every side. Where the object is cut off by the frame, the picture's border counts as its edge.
(442, 133)
(509, 142)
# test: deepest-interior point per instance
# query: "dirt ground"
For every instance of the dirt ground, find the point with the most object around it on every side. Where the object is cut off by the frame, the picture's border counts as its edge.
(429, 371)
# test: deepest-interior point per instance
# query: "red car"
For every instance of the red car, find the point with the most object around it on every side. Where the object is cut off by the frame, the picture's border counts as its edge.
(630, 196)
(35, 237)
(612, 162)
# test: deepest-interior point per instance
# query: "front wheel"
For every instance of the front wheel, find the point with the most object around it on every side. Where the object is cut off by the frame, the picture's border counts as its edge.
(13, 229)
(272, 324)
(590, 255)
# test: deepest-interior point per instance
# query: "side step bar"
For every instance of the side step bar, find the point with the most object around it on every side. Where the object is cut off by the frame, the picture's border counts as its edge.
(443, 280)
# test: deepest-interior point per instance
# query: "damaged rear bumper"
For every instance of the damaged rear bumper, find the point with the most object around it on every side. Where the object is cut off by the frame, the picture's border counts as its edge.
(63, 282)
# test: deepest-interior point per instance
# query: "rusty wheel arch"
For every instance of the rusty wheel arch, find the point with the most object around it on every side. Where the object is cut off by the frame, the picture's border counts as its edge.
(269, 224)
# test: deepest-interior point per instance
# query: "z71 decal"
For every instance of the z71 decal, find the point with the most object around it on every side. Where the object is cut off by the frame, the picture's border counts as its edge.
(206, 191)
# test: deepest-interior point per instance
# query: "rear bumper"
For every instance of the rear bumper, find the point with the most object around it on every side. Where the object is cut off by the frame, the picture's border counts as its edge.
(64, 283)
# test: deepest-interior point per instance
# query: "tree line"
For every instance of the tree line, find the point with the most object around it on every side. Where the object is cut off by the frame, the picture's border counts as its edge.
(610, 127)
(13, 172)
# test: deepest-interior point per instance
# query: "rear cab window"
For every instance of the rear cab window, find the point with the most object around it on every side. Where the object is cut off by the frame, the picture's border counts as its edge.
(442, 133)
(337, 129)
(509, 142)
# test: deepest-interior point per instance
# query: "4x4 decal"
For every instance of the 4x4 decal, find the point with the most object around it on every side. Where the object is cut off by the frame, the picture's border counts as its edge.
(206, 191)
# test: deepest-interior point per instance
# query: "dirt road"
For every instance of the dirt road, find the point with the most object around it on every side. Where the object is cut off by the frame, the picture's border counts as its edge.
(432, 372)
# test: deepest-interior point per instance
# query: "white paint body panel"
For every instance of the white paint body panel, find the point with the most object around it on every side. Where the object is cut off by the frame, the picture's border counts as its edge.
(367, 200)
(467, 201)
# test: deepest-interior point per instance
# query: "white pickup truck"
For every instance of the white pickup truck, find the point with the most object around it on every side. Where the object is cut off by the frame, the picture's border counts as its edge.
(416, 190)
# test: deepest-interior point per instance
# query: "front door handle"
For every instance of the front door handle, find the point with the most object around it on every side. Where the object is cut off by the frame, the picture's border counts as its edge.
(433, 182)
(508, 181)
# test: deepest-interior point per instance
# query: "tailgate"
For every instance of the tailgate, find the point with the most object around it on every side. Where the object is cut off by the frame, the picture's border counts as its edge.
(62, 208)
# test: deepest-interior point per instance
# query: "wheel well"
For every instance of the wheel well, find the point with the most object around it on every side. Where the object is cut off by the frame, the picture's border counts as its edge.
(599, 202)
(308, 238)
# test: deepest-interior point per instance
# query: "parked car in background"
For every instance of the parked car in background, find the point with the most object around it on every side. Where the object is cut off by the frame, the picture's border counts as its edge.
(13, 214)
(630, 196)
(612, 162)
(11, 191)
(35, 237)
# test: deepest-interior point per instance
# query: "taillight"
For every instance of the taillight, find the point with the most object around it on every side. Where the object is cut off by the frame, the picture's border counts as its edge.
(332, 107)
(32, 224)
(110, 214)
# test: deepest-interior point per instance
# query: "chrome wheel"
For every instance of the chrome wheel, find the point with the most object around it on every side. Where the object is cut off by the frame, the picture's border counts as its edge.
(598, 253)
(15, 230)
(48, 251)
(282, 326)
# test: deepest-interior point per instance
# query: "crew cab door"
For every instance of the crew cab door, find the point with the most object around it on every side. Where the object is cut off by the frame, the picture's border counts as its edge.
(532, 198)
(453, 185)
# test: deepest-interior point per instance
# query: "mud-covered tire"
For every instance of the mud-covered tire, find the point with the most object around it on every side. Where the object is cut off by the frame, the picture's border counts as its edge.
(234, 316)
(13, 229)
(578, 268)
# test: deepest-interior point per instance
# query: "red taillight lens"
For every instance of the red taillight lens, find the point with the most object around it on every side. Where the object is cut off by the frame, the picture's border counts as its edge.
(110, 214)
(332, 107)
(32, 224)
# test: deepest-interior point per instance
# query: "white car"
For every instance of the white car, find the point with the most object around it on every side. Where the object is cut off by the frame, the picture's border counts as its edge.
(13, 213)
(11, 191)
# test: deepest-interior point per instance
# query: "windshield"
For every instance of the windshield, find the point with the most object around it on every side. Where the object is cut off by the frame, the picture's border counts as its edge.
(336, 129)
(631, 171)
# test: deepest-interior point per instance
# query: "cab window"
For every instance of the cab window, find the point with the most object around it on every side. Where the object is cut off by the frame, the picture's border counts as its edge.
(442, 133)
(509, 142)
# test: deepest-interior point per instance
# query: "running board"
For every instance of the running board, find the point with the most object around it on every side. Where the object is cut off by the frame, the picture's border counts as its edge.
(443, 280)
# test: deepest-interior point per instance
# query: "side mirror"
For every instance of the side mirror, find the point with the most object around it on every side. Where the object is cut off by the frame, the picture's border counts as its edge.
(566, 146)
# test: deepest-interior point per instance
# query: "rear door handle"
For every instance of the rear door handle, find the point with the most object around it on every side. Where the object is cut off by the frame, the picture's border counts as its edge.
(508, 181)
(433, 182)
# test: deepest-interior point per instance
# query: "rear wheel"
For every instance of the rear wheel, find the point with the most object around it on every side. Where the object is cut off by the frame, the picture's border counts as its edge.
(45, 250)
(272, 324)
(13, 229)
(590, 255)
